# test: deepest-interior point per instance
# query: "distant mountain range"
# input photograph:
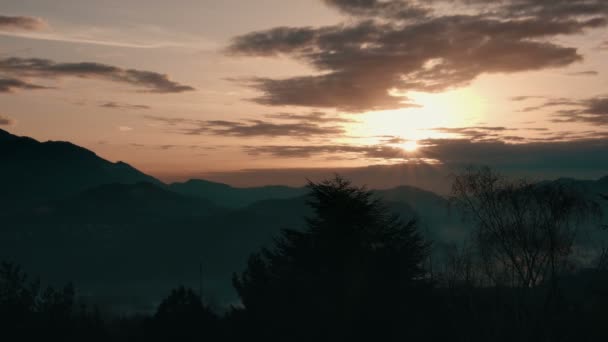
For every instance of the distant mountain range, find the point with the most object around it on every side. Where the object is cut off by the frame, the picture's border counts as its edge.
(230, 197)
(126, 238)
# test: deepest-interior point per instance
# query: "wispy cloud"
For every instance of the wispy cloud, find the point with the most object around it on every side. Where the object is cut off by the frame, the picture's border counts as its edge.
(250, 128)
(122, 106)
(132, 36)
(526, 97)
(475, 133)
(8, 85)
(12, 23)
(6, 121)
(44, 68)
(317, 117)
(584, 73)
(370, 152)
(565, 110)
(593, 111)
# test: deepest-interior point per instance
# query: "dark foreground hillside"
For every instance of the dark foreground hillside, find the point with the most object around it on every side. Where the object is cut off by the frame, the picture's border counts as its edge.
(499, 260)
(354, 271)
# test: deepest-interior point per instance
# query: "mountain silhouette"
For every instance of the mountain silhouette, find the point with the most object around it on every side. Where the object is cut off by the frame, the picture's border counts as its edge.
(231, 197)
(36, 171)
(123, 203)
(68, 214)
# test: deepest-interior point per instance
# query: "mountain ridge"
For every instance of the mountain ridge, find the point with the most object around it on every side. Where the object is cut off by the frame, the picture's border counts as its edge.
(36, 171)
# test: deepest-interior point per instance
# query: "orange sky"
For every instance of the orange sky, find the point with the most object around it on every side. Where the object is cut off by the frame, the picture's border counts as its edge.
(218, 88)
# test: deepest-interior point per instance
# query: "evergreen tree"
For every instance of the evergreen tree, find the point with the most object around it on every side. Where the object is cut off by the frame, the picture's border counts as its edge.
(353, 273)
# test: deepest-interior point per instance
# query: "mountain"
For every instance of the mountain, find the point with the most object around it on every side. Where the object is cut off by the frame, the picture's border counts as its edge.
(125, 239)
(592, 189)
(227, 196)
(36, 171)
(120, 203)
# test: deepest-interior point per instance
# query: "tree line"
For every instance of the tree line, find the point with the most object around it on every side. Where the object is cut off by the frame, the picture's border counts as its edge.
(357, 272)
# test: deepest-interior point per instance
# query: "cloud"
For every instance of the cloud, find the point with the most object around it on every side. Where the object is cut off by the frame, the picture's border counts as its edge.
(125, 128)
(555, 102)
(585, 153)
(372, 63)
(117, 105)
(580, 154)
(382, 152)
(8, 85)
(250, 128)
(417, 9)
(6, 121)
(374, 8)
(44, 68)
(525, 98)
(593, 111)
(584, 73)
(21, 23)
(318, 117)
(253, 128)
(476, 133)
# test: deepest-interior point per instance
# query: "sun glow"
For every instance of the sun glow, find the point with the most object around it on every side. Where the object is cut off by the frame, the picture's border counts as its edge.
(455, 108)
(410, 146)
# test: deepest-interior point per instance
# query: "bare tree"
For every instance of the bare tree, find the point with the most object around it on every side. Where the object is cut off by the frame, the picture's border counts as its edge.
(524, 231)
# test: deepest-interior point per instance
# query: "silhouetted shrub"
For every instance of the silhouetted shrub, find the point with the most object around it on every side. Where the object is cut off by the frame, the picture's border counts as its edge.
(182, 316)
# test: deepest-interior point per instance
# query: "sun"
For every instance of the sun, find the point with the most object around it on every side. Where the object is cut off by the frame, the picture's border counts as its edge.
(410, 146)
(454, 108)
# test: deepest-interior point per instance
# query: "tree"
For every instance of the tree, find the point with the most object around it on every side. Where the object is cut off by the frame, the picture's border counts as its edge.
(182, 316)
(29, 311)
(524, 231)
(349, 274)
(17, 298)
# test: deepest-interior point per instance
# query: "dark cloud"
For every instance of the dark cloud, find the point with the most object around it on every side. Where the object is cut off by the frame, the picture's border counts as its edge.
(549, 103)
(256, 128)
(116, 105)
(476, 133)
(374, 8)
(372, 64)
(318, 117)
(584, 73)
(593, 111)
(382, 152)
(8, 85)
(578, 154)
(21, 23)
(417, 9)
(273, 42)
(249, 128)
(526, 97)
(6, 121)
(551, 9)
(551, 154)
(35, 67)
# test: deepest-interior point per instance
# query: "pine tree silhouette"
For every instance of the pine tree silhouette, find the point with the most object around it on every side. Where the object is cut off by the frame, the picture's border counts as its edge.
(350, 274)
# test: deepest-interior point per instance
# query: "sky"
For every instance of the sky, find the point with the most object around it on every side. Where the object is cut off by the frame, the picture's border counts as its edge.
(273, 91)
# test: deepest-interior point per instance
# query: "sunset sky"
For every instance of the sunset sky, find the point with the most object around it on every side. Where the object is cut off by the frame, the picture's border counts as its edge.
(206, 88)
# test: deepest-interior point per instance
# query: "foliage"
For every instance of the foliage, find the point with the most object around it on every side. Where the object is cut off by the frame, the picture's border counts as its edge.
(347, 274)
(524, 231)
